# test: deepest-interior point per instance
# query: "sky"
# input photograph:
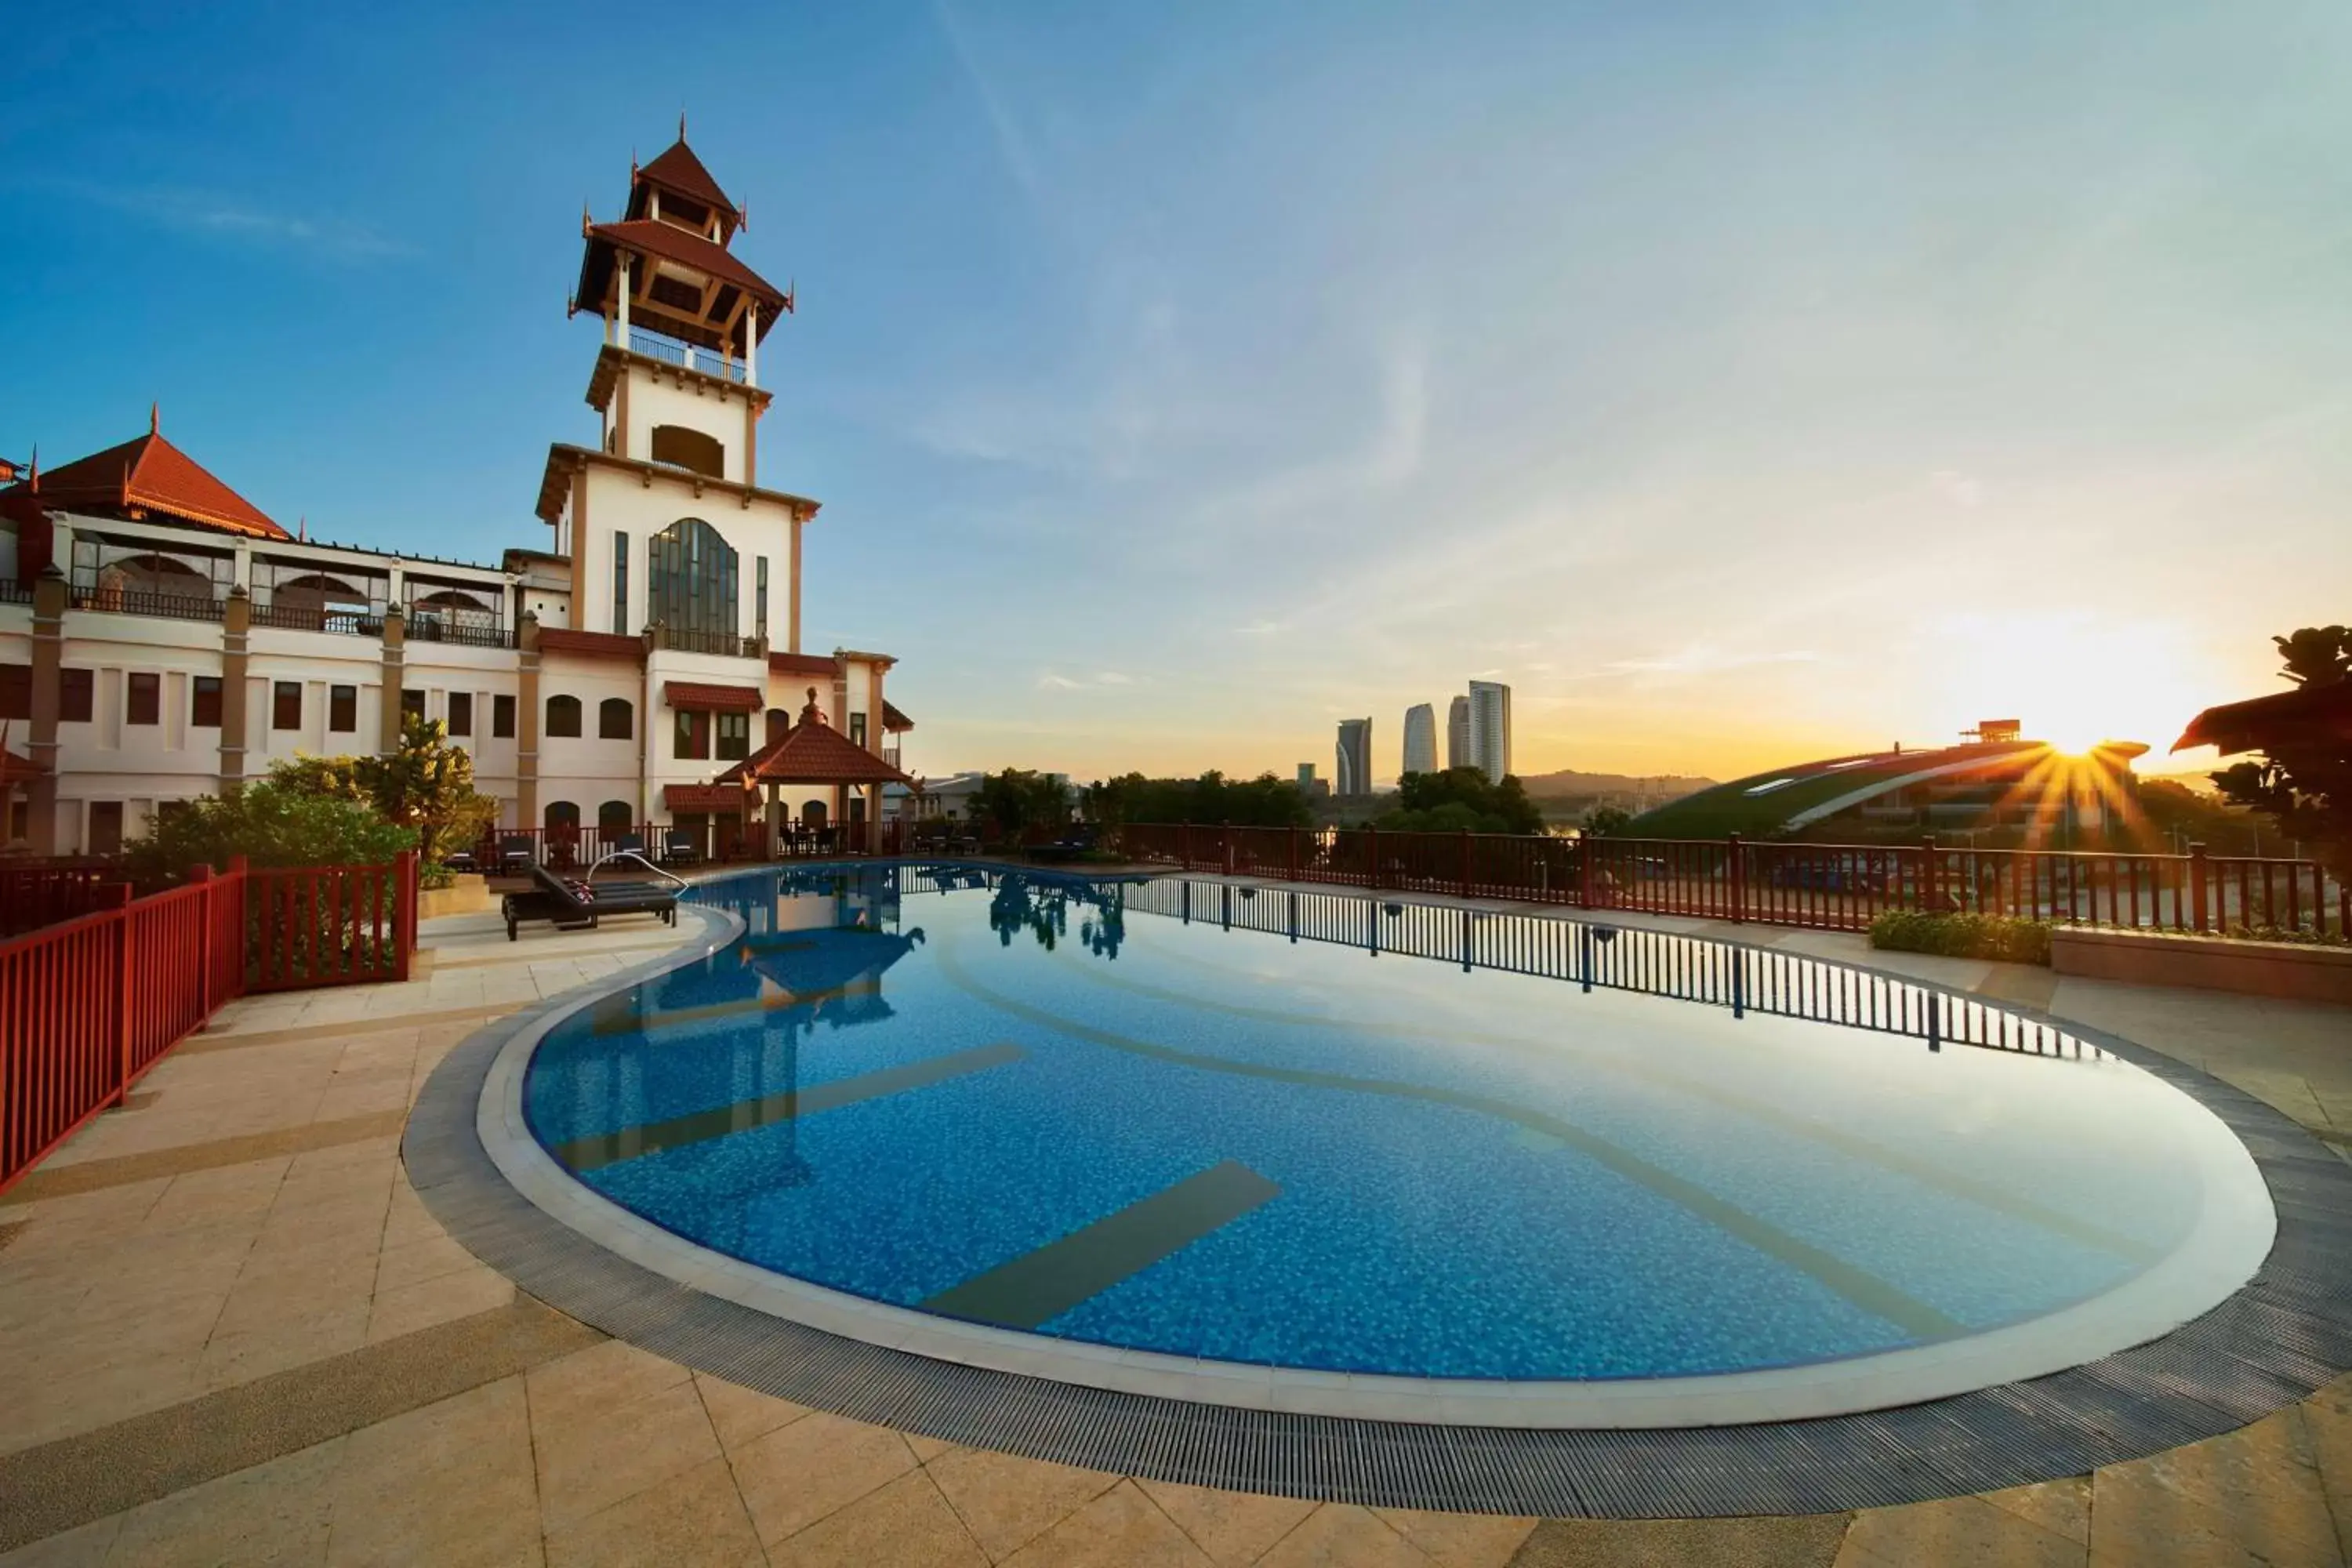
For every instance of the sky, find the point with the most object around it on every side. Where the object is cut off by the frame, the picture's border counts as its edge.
(1741, 383)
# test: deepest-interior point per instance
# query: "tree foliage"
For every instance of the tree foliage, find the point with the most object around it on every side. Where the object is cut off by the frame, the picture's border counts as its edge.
(1265, 801)
(2303, 778)
(270, 823)
(1008, 804)
(427, 786)
(1606, 822)
(1461, 800)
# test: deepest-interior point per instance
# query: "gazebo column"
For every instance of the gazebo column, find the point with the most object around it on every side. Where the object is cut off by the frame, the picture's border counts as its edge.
(775, 819)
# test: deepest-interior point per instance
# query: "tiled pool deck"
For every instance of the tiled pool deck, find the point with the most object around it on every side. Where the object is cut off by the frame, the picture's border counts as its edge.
(231, 1332)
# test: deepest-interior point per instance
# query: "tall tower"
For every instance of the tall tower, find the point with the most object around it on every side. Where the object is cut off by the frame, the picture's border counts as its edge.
(1490, 729)
(1457, 733)
(664, 519)
(1353, 776)
(1421, 739)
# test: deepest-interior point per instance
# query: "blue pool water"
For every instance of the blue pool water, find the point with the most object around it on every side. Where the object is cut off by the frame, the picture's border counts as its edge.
(1118, 1113)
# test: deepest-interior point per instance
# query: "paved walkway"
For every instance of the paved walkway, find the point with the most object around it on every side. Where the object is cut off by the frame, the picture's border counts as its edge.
(229, 1333)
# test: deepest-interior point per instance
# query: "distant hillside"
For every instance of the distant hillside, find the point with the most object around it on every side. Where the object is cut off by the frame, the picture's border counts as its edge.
(1571, 785)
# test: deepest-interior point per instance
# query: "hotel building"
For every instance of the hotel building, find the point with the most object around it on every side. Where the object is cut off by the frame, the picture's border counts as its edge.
(161, 638)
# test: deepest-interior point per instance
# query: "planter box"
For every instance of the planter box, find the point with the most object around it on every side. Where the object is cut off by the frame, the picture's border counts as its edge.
(2291, 970)
(470, 896)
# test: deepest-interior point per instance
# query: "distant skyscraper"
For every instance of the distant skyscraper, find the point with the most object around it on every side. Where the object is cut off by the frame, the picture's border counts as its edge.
(1490, 729)
(1306, 775)
(1354, 773)
(1421, 739)
(1457, 733)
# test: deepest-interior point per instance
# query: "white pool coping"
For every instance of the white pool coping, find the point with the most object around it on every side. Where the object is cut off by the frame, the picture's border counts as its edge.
(2232, 1235)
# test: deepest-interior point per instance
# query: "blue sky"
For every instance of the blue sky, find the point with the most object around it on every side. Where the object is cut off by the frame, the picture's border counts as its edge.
(1737, 381)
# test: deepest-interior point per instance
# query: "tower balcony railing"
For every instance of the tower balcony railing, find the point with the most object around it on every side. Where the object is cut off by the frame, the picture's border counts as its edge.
(652, 345)
(685, 639)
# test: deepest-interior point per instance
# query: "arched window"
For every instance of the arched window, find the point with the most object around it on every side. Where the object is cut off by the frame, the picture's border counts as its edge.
(562, 814)
(690, 449)
(690, 581)
(813, 812)
(564, 719)
(614, 818)
(615, 719)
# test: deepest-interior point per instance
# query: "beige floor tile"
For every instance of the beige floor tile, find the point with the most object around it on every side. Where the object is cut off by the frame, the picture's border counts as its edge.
(2060, 1506)
(800, 1473)
(588, 1385)
(2328, 1420)
(451, 1483)
(613, 1451)
(905, 1521)
(414, 1262)
(1460, 1539)
(1800, 1541)
(693, 1519)
(739, 1415)
(1005, 1500)
(1963, 1533)
(233, 1358)
(1233, 1528)
(2254, 1496)
(442, 1300)
(929, 1448)
(1337, 1533)
(1120, 1528)
(278, 1513)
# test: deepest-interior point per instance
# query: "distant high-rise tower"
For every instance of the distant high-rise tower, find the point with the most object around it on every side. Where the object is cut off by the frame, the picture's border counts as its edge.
(1457, 733)
(1421, 739)
(1490, 729)
(1306, 775)
(1354, 773)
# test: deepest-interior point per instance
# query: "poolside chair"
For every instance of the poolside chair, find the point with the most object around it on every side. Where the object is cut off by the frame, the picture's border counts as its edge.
(576, 907)
(514, 853)
(680, 849)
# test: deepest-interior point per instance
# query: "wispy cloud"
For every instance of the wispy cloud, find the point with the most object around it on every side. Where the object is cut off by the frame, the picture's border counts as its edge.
(1703, 659)
(1054, 680)
(231, 218)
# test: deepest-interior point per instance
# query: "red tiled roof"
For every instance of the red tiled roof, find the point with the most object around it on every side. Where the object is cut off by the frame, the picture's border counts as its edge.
(678, 169)
(2315, 712)
(704, 797)
(719, 699)
(813, 752)
(650, 236)
(803, 664)
(150, 474)
(593, 645)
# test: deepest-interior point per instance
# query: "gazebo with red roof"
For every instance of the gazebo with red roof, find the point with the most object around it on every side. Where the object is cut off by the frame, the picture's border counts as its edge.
(809, 752)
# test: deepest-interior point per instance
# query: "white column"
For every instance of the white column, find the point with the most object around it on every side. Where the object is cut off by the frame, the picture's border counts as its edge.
(751, 344)
(624, 339)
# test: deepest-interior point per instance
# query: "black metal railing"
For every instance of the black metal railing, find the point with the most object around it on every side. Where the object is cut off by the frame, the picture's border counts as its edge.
(129, 601)
(425, 625)
(681, 639)
(349, 621)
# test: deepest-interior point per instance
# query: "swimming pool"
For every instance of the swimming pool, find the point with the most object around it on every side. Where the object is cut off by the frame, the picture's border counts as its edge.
(1100, 1128)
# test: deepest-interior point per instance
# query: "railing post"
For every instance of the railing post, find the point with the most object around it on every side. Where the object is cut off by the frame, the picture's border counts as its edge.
(2197, 883)
(1372, 855)
(1584, 847)
(117, 896)
(1225, 848)
(203, 875)
(1465, 869)
(240, 874)
(1931, 876)
(1292, 851)
(1738, 864)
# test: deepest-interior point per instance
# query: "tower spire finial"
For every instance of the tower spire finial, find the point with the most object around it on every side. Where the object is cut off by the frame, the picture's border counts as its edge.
(681, 124)
(37, 468)
(155, 418)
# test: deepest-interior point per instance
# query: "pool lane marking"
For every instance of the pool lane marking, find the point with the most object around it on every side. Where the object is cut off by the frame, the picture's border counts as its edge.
(1857, 1285)
(1039, 1285)
(1957, 1184)
(598, 1150)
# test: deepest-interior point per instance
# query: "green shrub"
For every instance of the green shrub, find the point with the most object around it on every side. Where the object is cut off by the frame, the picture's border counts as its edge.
(2305, 934)
(269, 823)
(1963, 936)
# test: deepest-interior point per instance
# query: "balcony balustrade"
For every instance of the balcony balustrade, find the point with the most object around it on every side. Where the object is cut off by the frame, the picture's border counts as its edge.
(652, 345)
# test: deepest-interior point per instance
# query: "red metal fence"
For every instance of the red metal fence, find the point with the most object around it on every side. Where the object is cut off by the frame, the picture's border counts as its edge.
(1833, 887)
(87, 1007)
(37, 893)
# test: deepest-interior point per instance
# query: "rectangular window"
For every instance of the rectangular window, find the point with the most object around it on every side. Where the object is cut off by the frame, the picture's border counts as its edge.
(620, 582)
(759, 598)
(76, 691)
(411, 705)
(204, 702)
(286, 705)
(461, 714)
(502, 718)
(734, 737)
(342, 709)
(143, 698)
(106, 827)
(16, 691)
(857, 729)
(693, 737)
